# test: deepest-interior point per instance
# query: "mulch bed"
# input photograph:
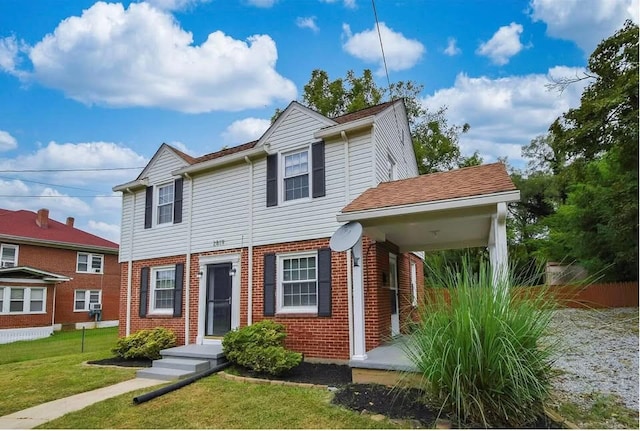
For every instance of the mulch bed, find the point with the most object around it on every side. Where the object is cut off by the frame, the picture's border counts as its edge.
(404, 404)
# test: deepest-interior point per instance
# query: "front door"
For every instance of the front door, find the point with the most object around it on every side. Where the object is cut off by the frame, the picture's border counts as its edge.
(218, 301)
(393, 285)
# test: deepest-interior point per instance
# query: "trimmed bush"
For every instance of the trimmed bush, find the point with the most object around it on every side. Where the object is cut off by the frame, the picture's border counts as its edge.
(259, 347)
(484, 354)
(145, 344)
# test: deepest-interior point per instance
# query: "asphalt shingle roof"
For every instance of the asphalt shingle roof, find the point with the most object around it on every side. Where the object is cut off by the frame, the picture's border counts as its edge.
(458, 183)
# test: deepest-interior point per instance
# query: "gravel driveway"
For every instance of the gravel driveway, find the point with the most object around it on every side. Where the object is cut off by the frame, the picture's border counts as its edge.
(599, 354)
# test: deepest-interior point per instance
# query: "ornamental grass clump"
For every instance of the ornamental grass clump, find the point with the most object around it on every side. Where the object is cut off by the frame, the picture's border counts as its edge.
(480, 351)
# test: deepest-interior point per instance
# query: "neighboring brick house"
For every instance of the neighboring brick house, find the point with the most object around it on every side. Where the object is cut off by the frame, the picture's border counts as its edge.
(227, 239)
(52, 275)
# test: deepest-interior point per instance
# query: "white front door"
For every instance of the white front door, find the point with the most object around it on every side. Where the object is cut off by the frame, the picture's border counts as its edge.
(393, 285)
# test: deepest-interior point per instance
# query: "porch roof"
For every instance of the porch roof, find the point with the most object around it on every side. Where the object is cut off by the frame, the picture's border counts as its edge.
(444, 210)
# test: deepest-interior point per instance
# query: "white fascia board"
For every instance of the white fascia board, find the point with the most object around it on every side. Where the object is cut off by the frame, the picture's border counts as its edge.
(46, 275)
(345, 127)
(447, 204)
(132, 185)
(220, 161)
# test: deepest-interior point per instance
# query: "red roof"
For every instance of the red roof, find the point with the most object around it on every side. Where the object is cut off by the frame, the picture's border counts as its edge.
(458, 183)
(22, 224)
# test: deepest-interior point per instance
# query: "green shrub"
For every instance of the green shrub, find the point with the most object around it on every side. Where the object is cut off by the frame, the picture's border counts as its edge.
(146, 343)
(260, 347)
(482, 355)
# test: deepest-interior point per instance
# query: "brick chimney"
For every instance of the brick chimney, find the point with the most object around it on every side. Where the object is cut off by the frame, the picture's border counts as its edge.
(70, 221)
(42, 218)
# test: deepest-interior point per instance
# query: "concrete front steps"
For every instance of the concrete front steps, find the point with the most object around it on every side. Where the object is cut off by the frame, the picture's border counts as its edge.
(184, 361)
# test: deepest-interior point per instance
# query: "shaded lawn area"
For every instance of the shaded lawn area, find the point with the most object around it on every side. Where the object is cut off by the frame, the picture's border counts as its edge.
(217, 403)
(38, 371)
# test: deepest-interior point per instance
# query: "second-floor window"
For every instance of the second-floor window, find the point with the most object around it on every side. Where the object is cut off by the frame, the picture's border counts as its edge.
(8, 255)
(165, 204)
(391, 169)
(296, 175)
(90, 263)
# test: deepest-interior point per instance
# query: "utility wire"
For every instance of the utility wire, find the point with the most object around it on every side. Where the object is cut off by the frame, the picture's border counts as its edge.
(62, 196)
(68, 170)
(50, 184)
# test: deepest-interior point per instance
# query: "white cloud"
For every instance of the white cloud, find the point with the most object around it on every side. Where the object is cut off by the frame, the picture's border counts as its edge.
(586, 24)
(307, 22)
(503, 45)
(141, 57)
(451, 48)
(262, 3)
(245, 130)
(104, 230)
(349, 4)
(505, 113)
(401, 53)
(10, 49)
(175, 4)
(7, 142)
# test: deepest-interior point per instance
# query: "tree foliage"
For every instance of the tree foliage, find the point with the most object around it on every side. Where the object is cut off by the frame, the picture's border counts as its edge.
(586, 169)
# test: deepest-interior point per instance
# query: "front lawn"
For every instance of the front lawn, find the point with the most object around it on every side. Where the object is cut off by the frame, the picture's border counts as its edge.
(217, 403)
(38, 371)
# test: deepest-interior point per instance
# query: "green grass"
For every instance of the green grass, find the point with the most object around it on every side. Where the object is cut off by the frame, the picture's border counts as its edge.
(217, 403)
(38, 371)
(606, 412)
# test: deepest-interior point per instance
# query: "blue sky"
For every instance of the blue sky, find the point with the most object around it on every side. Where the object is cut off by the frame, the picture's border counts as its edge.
(93, 85)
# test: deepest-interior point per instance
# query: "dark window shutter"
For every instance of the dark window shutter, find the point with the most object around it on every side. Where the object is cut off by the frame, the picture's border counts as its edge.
(144, 290)
(324, 282)
(269, 284)
(177, 292)
(177, 200)
(148, 207)
(272, 180)
(317, 159)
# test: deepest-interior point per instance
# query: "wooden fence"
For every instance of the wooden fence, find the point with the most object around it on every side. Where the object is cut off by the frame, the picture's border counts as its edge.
(600, 295)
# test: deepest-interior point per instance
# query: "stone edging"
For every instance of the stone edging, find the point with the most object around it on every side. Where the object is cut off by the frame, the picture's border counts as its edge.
(555, 416)
(87, 364)
(269, 382)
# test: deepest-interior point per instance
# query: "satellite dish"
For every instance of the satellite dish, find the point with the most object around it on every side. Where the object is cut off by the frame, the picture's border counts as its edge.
(346, 236)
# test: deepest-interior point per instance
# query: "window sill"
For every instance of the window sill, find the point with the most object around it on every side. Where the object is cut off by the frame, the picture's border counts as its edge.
(296, 315)
(160, 316)
(23, 313)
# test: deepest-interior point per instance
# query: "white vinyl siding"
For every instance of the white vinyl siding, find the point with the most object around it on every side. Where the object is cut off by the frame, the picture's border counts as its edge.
(8, 255)
(171, 236)
(392, 139)
(23, 300)
(83, 298)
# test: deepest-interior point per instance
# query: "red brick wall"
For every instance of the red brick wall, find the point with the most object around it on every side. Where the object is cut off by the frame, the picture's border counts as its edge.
(9, 321)
(63, 262)
(320, 337)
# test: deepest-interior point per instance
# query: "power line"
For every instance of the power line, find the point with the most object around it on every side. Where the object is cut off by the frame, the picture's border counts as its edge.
(63, 196)
(68, 170)
(49, 184)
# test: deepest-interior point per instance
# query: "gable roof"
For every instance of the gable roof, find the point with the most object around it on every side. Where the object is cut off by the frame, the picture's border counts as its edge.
(21, 226)
(459, 183)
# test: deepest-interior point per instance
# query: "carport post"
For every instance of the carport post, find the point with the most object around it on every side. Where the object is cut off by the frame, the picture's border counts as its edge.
(359, 348)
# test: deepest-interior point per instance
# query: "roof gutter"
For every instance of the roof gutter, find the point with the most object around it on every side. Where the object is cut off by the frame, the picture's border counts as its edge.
(221, 161)
(132, 185)
(447, 204)
(344, 127)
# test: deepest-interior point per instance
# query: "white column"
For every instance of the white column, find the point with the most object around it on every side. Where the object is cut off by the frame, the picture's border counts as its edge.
(498, 254)
(359, 347)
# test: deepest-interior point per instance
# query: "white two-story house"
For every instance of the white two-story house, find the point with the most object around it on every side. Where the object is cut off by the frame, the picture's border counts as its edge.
(230, 238)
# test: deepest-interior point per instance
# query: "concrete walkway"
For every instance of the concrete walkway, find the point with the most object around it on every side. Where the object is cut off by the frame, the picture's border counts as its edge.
(34, 416)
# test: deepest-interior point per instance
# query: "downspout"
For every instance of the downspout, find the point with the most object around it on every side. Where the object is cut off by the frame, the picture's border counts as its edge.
(347, 192)
(127, 330)
(187, 293)
(53, 307)
(250, 247)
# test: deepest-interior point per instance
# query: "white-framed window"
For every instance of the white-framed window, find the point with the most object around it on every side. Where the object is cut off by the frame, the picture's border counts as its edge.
(163, 284)
(295, 177)
(391, 169)
(23, 300)
(414, 284)
(164, 210)
(90, 263)
(83, 298)
(297, 283)
(8, 255)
